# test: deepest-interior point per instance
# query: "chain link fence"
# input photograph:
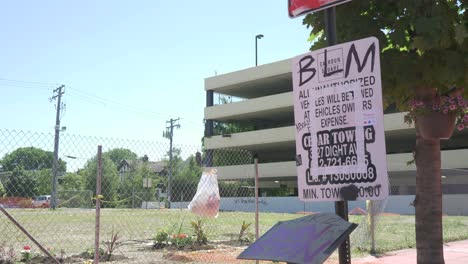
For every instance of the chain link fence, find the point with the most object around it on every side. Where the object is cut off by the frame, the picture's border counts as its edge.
(145, 196)
(144, 199)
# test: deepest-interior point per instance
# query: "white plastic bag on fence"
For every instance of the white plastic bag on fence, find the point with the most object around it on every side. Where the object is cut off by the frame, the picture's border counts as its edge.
(206, 200)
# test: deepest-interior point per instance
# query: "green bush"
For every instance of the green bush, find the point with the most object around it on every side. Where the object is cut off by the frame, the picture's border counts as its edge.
(161, 239)
(181, 241)
(200, 233)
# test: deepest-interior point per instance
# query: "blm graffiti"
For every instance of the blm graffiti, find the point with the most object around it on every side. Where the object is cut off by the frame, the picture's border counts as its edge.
(338, 112)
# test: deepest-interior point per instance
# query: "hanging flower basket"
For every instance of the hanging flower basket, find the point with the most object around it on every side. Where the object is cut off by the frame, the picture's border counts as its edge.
(436, 125)
(437, 119)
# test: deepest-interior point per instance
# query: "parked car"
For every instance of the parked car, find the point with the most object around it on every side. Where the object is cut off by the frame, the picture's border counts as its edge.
(41, 201)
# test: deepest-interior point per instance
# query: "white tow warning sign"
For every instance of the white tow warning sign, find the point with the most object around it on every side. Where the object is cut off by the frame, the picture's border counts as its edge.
(340, 141)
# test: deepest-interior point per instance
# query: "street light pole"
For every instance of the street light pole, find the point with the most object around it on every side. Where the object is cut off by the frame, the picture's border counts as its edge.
(256, 50)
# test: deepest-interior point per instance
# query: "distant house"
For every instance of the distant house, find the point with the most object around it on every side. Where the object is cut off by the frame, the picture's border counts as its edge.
(127, 166)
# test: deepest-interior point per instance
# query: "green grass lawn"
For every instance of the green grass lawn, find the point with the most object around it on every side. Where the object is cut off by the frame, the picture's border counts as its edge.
(73, 229)
(398, 232)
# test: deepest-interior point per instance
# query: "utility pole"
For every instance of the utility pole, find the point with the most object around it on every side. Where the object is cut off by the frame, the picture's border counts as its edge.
(55, 166)
(169, 133)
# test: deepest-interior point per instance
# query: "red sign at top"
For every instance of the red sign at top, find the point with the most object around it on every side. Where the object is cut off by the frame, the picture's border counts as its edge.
(300, 7)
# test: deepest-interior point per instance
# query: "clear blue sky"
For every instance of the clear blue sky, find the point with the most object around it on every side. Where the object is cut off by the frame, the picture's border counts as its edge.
(129, 66)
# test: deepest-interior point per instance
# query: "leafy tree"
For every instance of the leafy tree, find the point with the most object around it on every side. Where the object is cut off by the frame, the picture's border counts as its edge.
(226, 157)
(231, 157)
(236, 188)
(220, 128)
(111, 189)
(185, 181)
(423, 43)
(44, 181)
(31, 166)
(424, 51)
(173, 168)
(109, 180)
(281, 191)
(72, 181)
(119, 154)
(30, 158)
(132, 185)
(176, 160)
(21, 183)
(2, 190)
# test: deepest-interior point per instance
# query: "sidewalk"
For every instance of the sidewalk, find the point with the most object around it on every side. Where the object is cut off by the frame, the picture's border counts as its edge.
(454, 253)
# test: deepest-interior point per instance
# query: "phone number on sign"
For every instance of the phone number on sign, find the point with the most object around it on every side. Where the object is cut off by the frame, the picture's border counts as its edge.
(337, 161)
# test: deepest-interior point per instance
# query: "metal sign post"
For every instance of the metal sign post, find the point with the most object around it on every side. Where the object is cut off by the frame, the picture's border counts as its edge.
(341, 207)
(256, 200)
(338, 113)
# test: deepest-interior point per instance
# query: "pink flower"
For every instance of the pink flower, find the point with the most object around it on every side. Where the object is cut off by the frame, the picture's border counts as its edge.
(445, 111)
(466, 117)
(27, 247)
(452, 107)
(460, 127)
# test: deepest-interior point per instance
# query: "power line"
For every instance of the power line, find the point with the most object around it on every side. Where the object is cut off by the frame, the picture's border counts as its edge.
(29, 82)
(193, 123)
(86, 98)
(104, 100)
(111, 104)
(37, 88)
(115, 107)
(91, 98)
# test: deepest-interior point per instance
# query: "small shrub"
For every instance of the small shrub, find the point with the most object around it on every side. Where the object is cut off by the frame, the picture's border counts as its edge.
(161, 239)
(89, 253)
(200, 234)
(59, 256)
(181, 241)
(178, 239)
(243, 235)
(26, 254)
(112, 244)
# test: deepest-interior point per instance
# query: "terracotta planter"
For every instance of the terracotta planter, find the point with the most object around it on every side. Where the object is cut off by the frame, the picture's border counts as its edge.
(435, 125)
